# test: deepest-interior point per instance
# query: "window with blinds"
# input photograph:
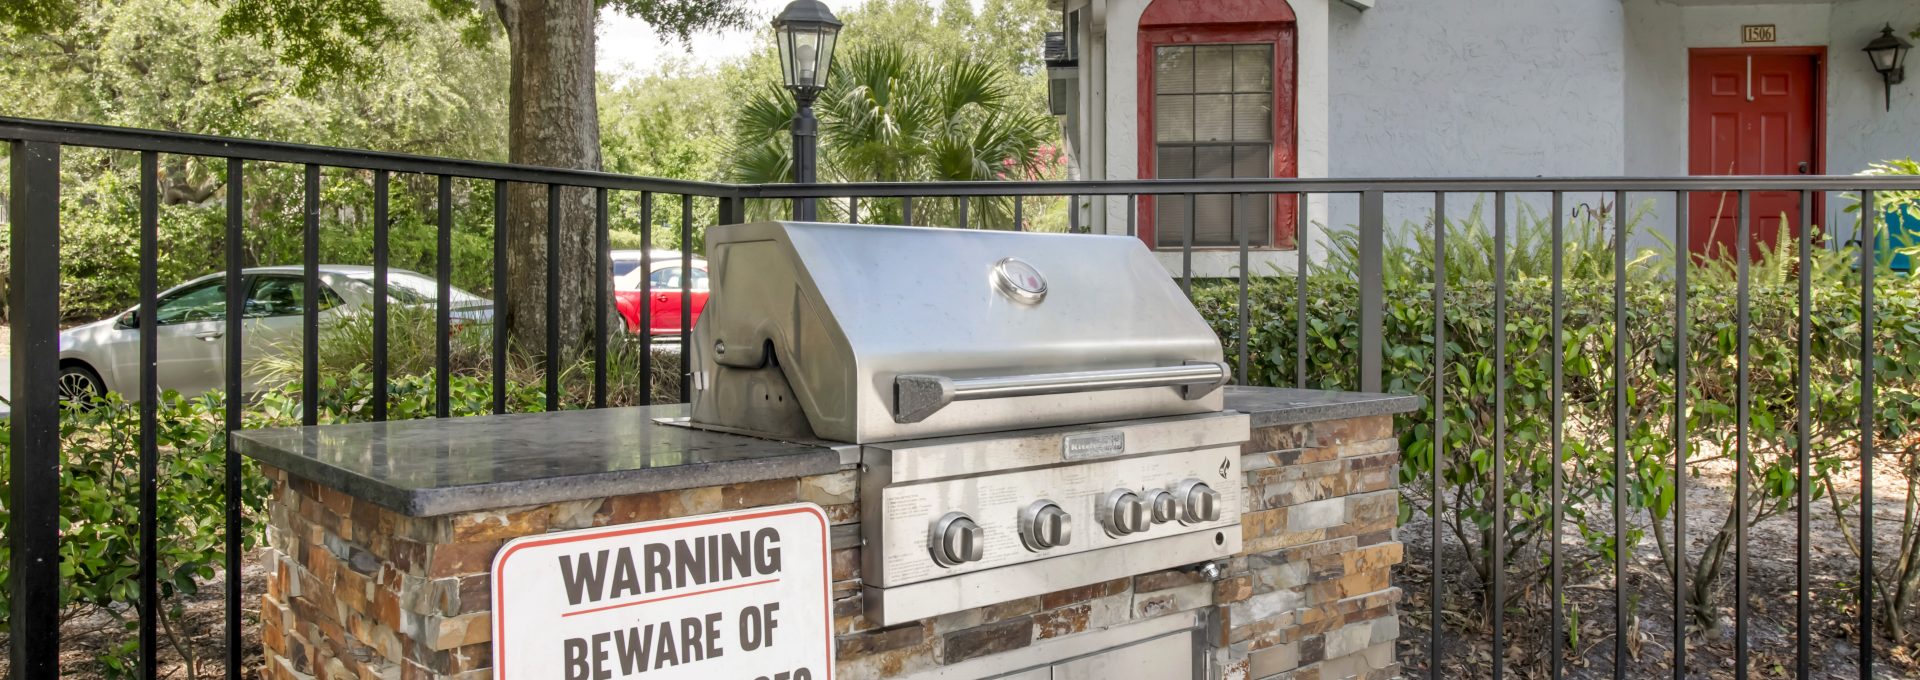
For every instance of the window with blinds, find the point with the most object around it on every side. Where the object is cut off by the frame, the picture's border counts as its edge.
(1213, 118)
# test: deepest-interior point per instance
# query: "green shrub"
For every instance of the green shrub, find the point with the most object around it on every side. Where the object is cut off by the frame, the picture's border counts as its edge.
(99, 480)
(1465, 456)
(100, 499)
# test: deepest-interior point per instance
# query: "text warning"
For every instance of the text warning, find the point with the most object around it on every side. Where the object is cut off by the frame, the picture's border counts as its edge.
(733, 595)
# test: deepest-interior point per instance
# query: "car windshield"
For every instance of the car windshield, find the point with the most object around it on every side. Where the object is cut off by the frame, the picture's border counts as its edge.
(408, 288)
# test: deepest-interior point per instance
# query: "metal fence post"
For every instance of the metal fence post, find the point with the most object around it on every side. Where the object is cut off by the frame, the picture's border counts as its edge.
(733, 210)
(1372, 287)
(34, 473)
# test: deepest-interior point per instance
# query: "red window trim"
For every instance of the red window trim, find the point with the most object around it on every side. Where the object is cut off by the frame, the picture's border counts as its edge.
(1176, 22)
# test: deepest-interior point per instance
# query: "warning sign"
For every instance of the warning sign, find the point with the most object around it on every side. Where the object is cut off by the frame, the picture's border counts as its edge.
(732, 595)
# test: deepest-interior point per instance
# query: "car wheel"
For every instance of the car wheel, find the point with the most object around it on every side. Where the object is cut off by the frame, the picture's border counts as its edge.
(80, 386)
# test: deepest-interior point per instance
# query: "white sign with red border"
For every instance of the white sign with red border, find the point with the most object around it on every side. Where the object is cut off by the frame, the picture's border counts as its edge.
(738, 595)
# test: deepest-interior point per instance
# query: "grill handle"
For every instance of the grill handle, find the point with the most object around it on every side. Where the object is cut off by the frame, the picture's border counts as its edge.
(917, 396)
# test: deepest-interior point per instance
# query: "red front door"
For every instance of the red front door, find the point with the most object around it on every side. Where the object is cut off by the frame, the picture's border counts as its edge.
(1750, 113)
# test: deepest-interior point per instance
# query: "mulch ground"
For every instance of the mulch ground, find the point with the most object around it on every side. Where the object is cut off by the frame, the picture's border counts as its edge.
(1588, 646)
(200, 629)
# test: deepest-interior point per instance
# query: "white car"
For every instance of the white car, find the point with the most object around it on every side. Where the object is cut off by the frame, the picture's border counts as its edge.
(104, 355)
(626, 262)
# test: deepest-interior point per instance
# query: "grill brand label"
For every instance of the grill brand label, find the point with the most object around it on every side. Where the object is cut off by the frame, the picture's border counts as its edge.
(1094, 445)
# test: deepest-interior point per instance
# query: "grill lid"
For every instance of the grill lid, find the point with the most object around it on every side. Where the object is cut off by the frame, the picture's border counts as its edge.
(867, 333)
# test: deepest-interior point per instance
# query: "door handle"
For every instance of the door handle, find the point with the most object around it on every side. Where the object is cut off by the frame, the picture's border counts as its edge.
(661, 297)
(1804, 167)
(210, 336)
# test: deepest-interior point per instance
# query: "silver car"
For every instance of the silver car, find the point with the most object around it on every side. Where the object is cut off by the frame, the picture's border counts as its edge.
(104, 355)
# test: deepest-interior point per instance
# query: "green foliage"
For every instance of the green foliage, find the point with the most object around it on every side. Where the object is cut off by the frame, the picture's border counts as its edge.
(99, 475)
(668, 123)
(891, 113)
(100, 245)
(1893, 203)
(164, 64)
(352, 40)
(1465, 455)
(963, 99)
(100, 494)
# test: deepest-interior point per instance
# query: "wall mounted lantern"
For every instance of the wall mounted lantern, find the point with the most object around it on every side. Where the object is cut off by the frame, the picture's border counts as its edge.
(1889, 55)
(806, 31)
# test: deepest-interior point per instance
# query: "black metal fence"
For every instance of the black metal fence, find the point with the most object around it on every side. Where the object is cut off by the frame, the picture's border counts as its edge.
(35, 317)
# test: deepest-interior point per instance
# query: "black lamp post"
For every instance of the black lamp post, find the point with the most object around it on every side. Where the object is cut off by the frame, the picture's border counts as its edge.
(806, 31)
(1889, 55)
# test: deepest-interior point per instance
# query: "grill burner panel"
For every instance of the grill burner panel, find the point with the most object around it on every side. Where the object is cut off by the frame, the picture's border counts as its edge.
(996, 480)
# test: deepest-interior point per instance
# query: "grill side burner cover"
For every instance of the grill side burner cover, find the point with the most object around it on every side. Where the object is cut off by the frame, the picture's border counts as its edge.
(868, 333)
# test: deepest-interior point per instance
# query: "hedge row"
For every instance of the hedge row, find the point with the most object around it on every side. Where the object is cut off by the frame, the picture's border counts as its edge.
(1643, 329)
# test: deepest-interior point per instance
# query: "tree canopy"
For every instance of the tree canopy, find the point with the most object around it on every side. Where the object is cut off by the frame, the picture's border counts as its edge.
(176, 65)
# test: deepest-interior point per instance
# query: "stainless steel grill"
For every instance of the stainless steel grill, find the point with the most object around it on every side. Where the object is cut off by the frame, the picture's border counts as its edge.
(1033, 412)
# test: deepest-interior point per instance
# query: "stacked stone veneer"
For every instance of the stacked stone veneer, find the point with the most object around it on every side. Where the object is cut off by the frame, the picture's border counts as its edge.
(358, 591)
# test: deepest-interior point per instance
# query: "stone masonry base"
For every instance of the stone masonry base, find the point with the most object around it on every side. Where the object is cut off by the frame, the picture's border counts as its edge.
(358, 591)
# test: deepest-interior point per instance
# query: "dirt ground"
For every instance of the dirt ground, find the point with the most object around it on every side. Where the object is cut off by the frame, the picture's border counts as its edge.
(1833, 573)
(201, 629)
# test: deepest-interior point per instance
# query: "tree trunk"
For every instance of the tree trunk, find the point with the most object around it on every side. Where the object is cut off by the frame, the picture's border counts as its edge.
(553, 121)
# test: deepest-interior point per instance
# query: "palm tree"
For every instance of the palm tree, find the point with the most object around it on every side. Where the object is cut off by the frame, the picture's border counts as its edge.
(892, 114)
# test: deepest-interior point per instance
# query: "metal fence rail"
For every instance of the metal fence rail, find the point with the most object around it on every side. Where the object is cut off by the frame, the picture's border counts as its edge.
(35, 314)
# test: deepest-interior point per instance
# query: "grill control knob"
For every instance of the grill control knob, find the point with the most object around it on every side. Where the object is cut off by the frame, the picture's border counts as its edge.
(1198, 502)
(1045, 525)
(1124, 512)
(957, 539)
(1165, 508)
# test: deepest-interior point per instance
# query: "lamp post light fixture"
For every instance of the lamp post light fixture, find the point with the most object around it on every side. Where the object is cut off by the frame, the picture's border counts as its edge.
(1889, 55)
(806, 31)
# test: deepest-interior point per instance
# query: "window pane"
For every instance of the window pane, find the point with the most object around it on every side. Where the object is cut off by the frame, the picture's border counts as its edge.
(1173, 70)
(274, 296)
(284, 296)
(1250, 216)
(1213, 162)
(1170, 218)
(1252, 117)
(1212, 118)
(1173, 118)
(1174, 162)
(1213, 220)
(207, 302)
(1253, 68)
(1252, 160)
(1251, 213)
(1213, 68)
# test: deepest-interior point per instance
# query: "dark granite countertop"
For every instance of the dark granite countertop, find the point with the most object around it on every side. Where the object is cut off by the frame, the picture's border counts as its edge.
(1285, 406)
(434, 467)
(441, 466)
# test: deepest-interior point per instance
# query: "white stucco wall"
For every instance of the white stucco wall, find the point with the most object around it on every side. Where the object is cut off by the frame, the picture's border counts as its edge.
(1520, 88)
(1859, 128)
(1475, 88)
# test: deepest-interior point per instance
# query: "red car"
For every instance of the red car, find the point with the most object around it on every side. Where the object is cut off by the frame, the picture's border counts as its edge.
(662, 303)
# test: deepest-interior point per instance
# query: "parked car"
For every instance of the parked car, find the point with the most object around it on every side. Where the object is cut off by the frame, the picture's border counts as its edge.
(661, 305)
(626, 261)
(191, 322)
